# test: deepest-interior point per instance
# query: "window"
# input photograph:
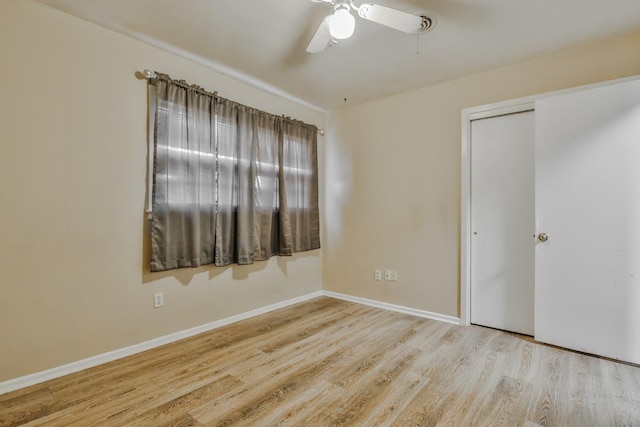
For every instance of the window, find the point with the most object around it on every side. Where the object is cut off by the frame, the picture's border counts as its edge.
(231, 184)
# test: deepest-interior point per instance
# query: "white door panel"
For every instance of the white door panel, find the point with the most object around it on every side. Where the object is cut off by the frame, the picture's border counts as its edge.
(502, 222)
(587, 168)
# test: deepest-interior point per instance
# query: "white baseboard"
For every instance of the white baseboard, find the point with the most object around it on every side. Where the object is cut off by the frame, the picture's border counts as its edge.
(70, 368)
(393, 307)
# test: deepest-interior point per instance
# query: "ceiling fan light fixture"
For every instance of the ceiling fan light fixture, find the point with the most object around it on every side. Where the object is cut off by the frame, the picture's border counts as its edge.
(341, 22)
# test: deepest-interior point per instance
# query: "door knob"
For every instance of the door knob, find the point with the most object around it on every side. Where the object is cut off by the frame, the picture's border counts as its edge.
(543, 237)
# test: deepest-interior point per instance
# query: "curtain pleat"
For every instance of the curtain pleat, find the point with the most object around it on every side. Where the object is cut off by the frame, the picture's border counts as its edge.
(184, 173)
(300, 219)
(265, 197)
(284, 218)
(231, 184)
(245, 177)
(227, 182)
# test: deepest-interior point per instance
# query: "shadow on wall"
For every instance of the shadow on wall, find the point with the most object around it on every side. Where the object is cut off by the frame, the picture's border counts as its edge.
(339, 179)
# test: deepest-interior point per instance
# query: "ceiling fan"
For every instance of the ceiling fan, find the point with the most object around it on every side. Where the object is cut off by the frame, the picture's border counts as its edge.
(340, 24)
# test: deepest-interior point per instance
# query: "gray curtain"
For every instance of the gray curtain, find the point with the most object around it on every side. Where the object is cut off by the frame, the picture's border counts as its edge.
(184, 192)
(299, 210)
(247, 184)
(232, 184)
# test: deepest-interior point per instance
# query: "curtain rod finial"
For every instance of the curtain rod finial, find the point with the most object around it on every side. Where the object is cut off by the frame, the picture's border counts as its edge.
(149, 74)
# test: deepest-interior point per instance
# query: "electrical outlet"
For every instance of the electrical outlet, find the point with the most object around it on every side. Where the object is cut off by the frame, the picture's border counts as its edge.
(158, 300)
(377, 274)
(391, 275)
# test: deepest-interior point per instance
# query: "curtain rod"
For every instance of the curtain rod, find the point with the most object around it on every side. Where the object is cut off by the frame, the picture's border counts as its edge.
(151, 75)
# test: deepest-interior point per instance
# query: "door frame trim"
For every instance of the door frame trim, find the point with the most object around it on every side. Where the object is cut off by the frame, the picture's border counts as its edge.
(468, 115)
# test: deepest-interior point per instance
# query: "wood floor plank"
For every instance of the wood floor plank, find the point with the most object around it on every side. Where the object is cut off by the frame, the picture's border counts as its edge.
(449, 367)
(497, 395)
(548, 405)
(176, 410)
(306, 402)
(280, 375)
(328, 362)
(246, 404)
(400, 393)
(369, 390)
(24, 407)
(98, 409)
(342, 340)
(505, 404)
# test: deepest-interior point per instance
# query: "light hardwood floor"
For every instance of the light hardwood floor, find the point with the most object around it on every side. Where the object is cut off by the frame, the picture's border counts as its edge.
(328, 362)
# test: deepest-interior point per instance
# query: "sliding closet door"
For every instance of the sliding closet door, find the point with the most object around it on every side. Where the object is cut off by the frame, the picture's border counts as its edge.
(587, 274)
(502, 222)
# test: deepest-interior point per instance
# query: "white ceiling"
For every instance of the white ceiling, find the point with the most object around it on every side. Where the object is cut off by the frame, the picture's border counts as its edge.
(265, 40)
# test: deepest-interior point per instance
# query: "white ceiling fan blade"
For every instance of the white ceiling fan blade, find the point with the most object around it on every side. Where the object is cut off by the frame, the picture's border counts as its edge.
(392, 18)
(321, 38)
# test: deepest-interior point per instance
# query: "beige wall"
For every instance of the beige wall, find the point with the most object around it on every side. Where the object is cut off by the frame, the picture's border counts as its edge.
(393, 175)
(74, 277)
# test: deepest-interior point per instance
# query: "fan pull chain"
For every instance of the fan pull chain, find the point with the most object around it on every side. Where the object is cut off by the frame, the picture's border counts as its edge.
(417, 43)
